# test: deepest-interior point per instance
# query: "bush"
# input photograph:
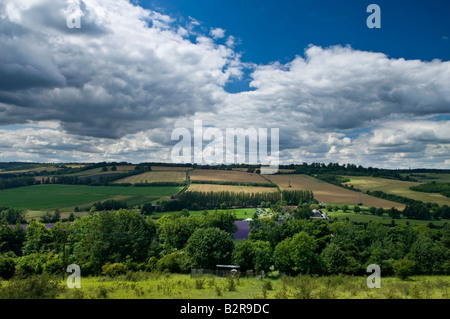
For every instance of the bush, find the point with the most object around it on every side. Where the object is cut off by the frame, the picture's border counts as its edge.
(30, 265)
(7, 265)
(54, 266)
(34, 287)
(175, 263)
(114, 270)
(403, 268)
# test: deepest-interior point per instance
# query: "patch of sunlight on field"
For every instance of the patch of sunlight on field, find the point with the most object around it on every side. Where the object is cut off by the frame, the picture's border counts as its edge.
(230, 188)
(226, 176)
(152, 177)
(396, 187)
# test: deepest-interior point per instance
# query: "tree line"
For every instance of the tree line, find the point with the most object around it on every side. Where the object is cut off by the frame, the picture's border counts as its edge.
(210, 200)
(124, 240)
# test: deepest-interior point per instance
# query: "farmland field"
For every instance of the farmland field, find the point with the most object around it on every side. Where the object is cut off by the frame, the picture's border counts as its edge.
(52, 196)
(241, 213)
(328, 193)
(230, 188)
(154, 176)
(98, 170)
(366, 218)
(396, 187)
(37, 170)
(430, 177)
(226, 176)
(171, 168)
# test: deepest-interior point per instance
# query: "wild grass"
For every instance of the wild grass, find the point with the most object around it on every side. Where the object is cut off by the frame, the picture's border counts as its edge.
(144, 285)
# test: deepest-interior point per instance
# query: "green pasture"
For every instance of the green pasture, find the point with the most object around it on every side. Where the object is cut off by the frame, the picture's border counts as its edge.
(241, 213)
(52, 196)
(430, 177)
(365, 217)
(396, 187)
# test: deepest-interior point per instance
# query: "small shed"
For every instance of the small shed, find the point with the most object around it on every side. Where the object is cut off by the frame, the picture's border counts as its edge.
(223, 270)
(318, 214)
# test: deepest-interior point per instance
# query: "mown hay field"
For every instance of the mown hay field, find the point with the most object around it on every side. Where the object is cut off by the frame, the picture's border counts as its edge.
(396, 187)
(171, 168)
(230, 188)
(154, 177)
(226, 176)
(328, 193)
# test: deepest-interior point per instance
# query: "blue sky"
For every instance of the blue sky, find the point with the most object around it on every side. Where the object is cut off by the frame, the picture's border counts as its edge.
(279, 30)
(116, 88)
(271, 31)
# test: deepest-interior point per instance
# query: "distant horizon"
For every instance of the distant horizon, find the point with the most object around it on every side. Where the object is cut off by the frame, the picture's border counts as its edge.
(281, 166)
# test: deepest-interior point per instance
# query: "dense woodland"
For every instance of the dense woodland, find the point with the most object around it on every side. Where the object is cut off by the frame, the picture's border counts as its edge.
(114, 242)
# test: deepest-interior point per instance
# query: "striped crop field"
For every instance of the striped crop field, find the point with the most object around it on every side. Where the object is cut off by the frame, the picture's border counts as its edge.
(230, 188)
(215, 175)
(154, 177)
(171, 168)
(98, 170)
(329, 193)
(396, 187)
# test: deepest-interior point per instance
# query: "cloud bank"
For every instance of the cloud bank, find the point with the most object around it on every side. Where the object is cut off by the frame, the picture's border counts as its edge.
(116, 88)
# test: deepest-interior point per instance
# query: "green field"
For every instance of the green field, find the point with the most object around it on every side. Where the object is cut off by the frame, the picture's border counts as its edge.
(396, 187)
(241, 213)
(179, 286)
(51, 196)
(430, 177)
(366, 218)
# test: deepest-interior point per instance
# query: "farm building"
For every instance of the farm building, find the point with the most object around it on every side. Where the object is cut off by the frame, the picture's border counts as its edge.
(318, 214)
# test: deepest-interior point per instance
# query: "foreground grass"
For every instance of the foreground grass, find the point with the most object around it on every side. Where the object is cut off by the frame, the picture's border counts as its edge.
(179, 286)
(175, 286)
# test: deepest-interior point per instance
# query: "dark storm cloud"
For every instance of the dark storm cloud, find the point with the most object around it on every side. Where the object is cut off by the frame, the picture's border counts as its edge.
(113, 76)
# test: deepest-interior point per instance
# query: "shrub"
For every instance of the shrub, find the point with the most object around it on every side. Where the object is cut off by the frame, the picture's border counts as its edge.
(34, 287)
(7, 265)
(54, 266)
(403, 268)
(175, 262)
(113, 270)
(30, 265)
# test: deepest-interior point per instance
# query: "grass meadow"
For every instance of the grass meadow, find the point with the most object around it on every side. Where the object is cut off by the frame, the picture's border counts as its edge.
(241, 213)
(430, 177)
(396, 187)
(144, 285)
